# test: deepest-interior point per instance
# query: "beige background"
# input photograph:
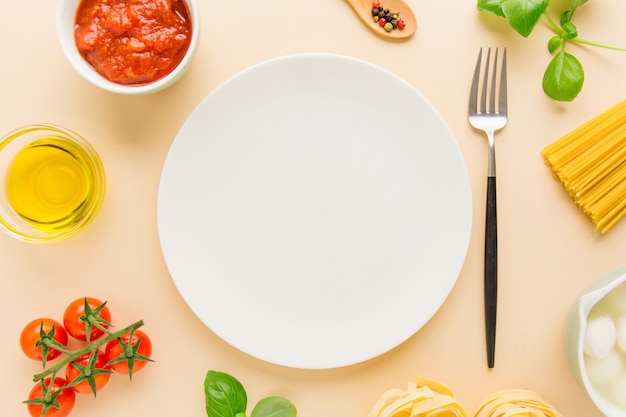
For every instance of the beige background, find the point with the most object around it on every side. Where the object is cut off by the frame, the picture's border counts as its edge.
(548, 250)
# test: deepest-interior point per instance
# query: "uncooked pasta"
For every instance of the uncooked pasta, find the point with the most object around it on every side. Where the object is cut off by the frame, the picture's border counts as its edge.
(515, 403)
(425, 397)
(422, 398)
(590, 162)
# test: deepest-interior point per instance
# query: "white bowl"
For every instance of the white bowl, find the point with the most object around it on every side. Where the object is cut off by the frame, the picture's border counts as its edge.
(577, 322)
(65, 20)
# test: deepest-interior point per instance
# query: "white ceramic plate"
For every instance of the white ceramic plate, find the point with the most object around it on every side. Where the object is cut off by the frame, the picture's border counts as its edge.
(314, 211)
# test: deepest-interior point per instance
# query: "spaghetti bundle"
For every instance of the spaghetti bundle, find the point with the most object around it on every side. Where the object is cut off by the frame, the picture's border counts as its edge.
(590, 162)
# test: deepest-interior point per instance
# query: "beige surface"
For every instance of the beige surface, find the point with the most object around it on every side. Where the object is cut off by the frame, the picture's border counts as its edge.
(548, 250)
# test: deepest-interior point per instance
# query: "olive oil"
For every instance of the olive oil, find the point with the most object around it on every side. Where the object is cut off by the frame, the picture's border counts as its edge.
(52, 183)
(47, 184)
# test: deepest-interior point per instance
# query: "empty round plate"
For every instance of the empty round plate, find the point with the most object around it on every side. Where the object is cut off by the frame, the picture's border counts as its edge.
(314, 211)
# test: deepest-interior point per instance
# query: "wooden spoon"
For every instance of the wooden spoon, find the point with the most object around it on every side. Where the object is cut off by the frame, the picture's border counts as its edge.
(363, 9)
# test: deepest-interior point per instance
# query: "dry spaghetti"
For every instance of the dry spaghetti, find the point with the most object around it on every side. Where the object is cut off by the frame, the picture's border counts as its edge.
(590, 162)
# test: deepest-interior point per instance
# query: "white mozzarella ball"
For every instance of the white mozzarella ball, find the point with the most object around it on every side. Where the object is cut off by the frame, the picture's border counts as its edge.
(600, 337)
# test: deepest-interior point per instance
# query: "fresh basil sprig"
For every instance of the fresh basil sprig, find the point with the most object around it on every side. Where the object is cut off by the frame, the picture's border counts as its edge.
(226, 397)
(564, 77)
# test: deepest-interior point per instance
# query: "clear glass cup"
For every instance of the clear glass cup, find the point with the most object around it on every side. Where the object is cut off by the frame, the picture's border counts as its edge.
(52, 181)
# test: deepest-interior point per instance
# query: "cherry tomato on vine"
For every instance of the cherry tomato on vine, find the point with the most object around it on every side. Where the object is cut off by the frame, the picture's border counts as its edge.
(83, 316)
(34, 335)
(50, 399)
(127, 355)
(85, 378)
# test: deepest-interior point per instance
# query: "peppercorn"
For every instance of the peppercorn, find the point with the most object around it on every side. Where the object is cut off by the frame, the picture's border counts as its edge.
(386, 18)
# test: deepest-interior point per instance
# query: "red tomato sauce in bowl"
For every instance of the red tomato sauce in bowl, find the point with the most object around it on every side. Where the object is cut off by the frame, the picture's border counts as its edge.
(133, 42)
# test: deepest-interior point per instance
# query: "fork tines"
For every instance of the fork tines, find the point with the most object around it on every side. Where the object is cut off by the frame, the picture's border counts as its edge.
(478, 105)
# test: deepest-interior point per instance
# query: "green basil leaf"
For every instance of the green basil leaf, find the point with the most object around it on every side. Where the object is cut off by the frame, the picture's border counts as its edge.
(490, 6)
(554, 43)
(224, 395)
(523, 15)
(564, 77)
(274, 407)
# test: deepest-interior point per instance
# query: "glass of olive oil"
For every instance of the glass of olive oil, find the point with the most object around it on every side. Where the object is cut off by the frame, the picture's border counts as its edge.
(52, 183)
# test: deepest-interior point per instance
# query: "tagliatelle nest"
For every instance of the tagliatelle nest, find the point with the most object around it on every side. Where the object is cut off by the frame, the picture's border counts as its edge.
(422, 398)
(515, 403)
(428, 398)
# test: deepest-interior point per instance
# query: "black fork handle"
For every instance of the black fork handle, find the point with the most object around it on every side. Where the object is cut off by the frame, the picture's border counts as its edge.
(491, 270)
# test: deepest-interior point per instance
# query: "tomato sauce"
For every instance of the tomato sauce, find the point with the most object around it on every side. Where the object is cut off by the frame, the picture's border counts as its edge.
(133, 41)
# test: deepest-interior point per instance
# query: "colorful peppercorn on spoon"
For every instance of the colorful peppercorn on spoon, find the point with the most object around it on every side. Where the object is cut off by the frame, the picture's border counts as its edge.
(402, 31)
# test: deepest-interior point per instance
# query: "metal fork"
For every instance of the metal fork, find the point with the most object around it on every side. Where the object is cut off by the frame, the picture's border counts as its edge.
(489, 115)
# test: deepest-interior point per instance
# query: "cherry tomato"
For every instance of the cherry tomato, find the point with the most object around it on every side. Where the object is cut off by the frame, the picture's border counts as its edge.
(77, 323)
(136, 352)
(78, 370)
(31, 338)
(55, 404)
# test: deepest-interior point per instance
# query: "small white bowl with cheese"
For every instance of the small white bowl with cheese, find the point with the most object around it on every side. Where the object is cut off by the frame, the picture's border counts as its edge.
(596, 342)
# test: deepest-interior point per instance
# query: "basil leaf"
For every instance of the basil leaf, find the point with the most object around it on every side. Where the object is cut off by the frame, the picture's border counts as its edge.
(274, 407)
(490, 6)
(564, 77)
(523, 15)
(224, 395)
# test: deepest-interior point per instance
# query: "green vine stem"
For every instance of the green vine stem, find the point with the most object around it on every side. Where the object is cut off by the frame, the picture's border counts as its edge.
(555, 28)
(561, 33)
(96, 323)
(91, 347)
(599, 45)
(53, 344)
